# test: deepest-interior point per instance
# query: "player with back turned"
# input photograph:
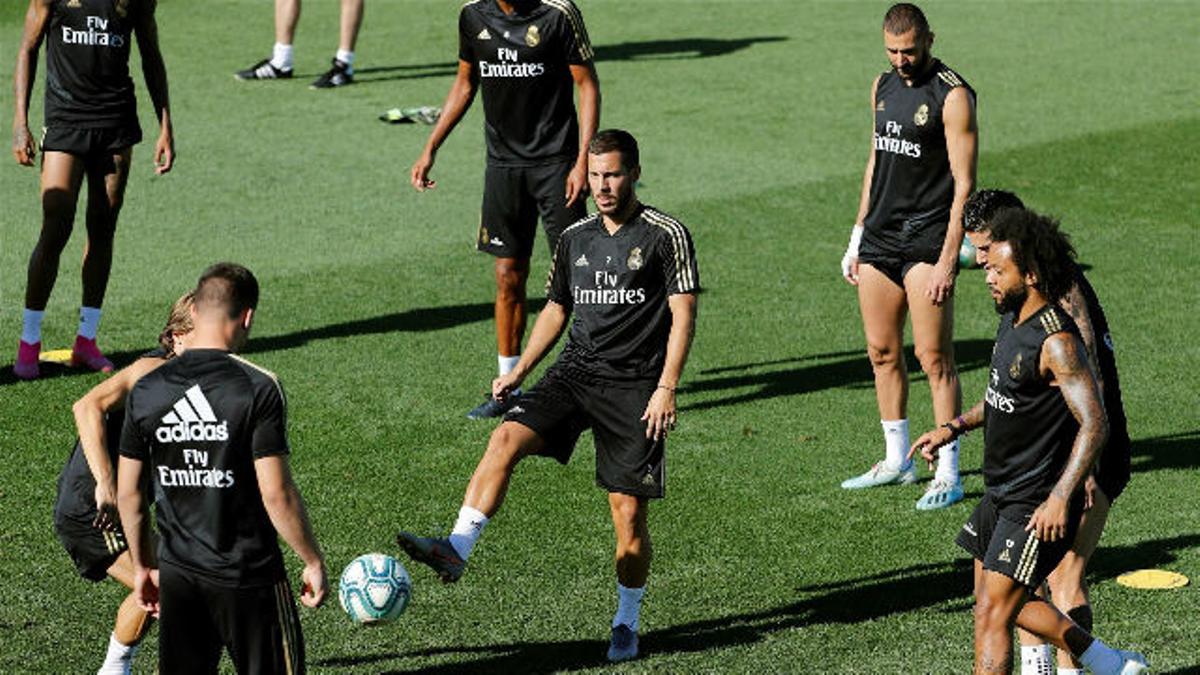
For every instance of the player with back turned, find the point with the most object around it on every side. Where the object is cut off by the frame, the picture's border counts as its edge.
(211, 430)
(1045, 425)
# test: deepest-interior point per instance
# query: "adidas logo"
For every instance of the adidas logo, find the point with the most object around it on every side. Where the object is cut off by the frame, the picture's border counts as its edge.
(191, 419)
(484, 35)
(516, 410)
(582, 261)
(497, 241)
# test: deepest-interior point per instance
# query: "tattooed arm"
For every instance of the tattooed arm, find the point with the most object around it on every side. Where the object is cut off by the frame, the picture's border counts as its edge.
(1064, 360)
(1075, 305)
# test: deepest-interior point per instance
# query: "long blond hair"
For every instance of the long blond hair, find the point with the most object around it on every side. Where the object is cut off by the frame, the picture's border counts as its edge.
(179, 322)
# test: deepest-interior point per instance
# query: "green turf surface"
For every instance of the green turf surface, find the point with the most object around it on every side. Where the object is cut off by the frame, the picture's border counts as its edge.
(754, 124)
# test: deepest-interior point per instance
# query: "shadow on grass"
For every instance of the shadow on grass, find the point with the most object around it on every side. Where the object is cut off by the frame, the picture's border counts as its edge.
(832, 370)
(1174, 451)
(943, 587)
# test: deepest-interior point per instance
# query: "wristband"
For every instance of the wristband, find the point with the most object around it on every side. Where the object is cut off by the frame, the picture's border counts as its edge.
(960, 429)
(856, 234)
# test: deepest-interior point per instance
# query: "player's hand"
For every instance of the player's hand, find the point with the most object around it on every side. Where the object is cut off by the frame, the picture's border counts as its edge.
(660, 413)
(164, 153)
(145, 589)
(850, 268)
(506, 384)
(1049, 520)
(107, 516)
(577, 186)
(928, 444)
(420, 172)
(24, 149)
(941, 283)
(314, 585)
(1089, 491)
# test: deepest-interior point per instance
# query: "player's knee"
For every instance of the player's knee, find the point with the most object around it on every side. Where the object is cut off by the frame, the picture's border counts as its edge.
(883, 357)
(992, 614)
(938, 365)
(504, 448)
(58, 216)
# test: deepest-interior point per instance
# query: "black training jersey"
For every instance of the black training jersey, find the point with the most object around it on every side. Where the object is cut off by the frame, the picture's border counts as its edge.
(522, 61)
(617, 286)
(911, 186)
(87, 63)
(199, 422)
(1029, 430)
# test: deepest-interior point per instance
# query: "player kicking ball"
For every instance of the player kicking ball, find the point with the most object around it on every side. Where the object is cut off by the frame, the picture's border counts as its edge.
(629, 276)
(1045, 425)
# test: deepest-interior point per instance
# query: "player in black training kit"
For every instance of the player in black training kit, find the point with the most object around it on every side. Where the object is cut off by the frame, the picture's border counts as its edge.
(903, 250)
(1045, 426)
(91, 128)
(629, 276)
(85, 511)
(527, 56)
(210, 429)
(1068, 582)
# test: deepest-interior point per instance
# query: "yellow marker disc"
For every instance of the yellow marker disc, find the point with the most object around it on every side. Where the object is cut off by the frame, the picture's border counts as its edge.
(1152, 579)
(56, 356)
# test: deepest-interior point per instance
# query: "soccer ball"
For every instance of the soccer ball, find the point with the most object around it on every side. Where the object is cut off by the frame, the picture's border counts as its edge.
(374, 588)
(966, 255)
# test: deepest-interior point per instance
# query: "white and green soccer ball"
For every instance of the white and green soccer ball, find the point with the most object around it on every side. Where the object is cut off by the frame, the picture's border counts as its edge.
(374, 588)
(966, 255)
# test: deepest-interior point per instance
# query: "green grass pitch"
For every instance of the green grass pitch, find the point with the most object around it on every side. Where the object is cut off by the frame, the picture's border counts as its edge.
(753, 120)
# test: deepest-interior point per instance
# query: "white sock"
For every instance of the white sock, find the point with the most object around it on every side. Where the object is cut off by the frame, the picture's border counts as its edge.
(507, 363)
(346, 58)
(467, 530)
(895, 435)
(1036, 660)
(31, 330)
(1070, 671)
(89, 322)
(1101, 659)
(947, 468)
(629, 606)
(281, 56)
(119, 658)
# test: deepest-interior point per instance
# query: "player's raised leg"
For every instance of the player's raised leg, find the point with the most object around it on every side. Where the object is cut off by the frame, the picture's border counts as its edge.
(933, 341)
(633, 557)
(62, 176)
(883, 306)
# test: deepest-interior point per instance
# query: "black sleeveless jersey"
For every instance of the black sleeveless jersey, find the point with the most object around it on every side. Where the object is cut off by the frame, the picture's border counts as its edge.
(911, 187)
(1029, 430)
(87, 64)
(523, 63)
(198, 423)
(618, 286)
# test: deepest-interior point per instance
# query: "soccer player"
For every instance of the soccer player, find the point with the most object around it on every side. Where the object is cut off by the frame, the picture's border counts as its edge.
(1068, 583)
(628, 274)
(903, 251)
(90, 130)
(212, 427)
(85, 511)
(279, 66)
(1045, 425)
(524, 55)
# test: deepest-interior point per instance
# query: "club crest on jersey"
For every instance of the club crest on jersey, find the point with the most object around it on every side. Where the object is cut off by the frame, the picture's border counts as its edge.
(921, 116)
(532, 37)
(1014, 369)
(635, 259)
(122, 8)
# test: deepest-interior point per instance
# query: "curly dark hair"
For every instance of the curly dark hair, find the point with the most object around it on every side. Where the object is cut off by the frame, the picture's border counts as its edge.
(1038, 247)
(982, 206)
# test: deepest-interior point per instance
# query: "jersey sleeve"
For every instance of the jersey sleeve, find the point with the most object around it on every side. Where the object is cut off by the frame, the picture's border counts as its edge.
(678, 258)
(558, 285)
(465, 52)
(268, 436)
(133, 443)
(577, 47)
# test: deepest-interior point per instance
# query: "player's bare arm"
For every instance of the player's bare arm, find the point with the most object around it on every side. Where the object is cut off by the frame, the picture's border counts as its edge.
(36, 18)
(546, 331)
(850, 259)
(930, 441)
(285, 508)
(462, 94)
(132, 505)
(154, 69)
(962, 146)
(89, 413)
(1074, 304)
(660, 411)
(587, 84)
(1064, 359)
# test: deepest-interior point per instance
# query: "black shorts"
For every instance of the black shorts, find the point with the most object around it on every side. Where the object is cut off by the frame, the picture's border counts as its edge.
(1113, 473)
(514, 196)
(90, 142)
(922, 245)
(995, 534)
(258, 624)
(92, 549)
(564, 403)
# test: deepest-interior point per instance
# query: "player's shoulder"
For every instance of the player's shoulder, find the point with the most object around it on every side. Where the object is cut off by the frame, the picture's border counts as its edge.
(581, 227)
(946, 78)
(1055, 320)
(259, 377)
(565, 8)
(663, 223)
